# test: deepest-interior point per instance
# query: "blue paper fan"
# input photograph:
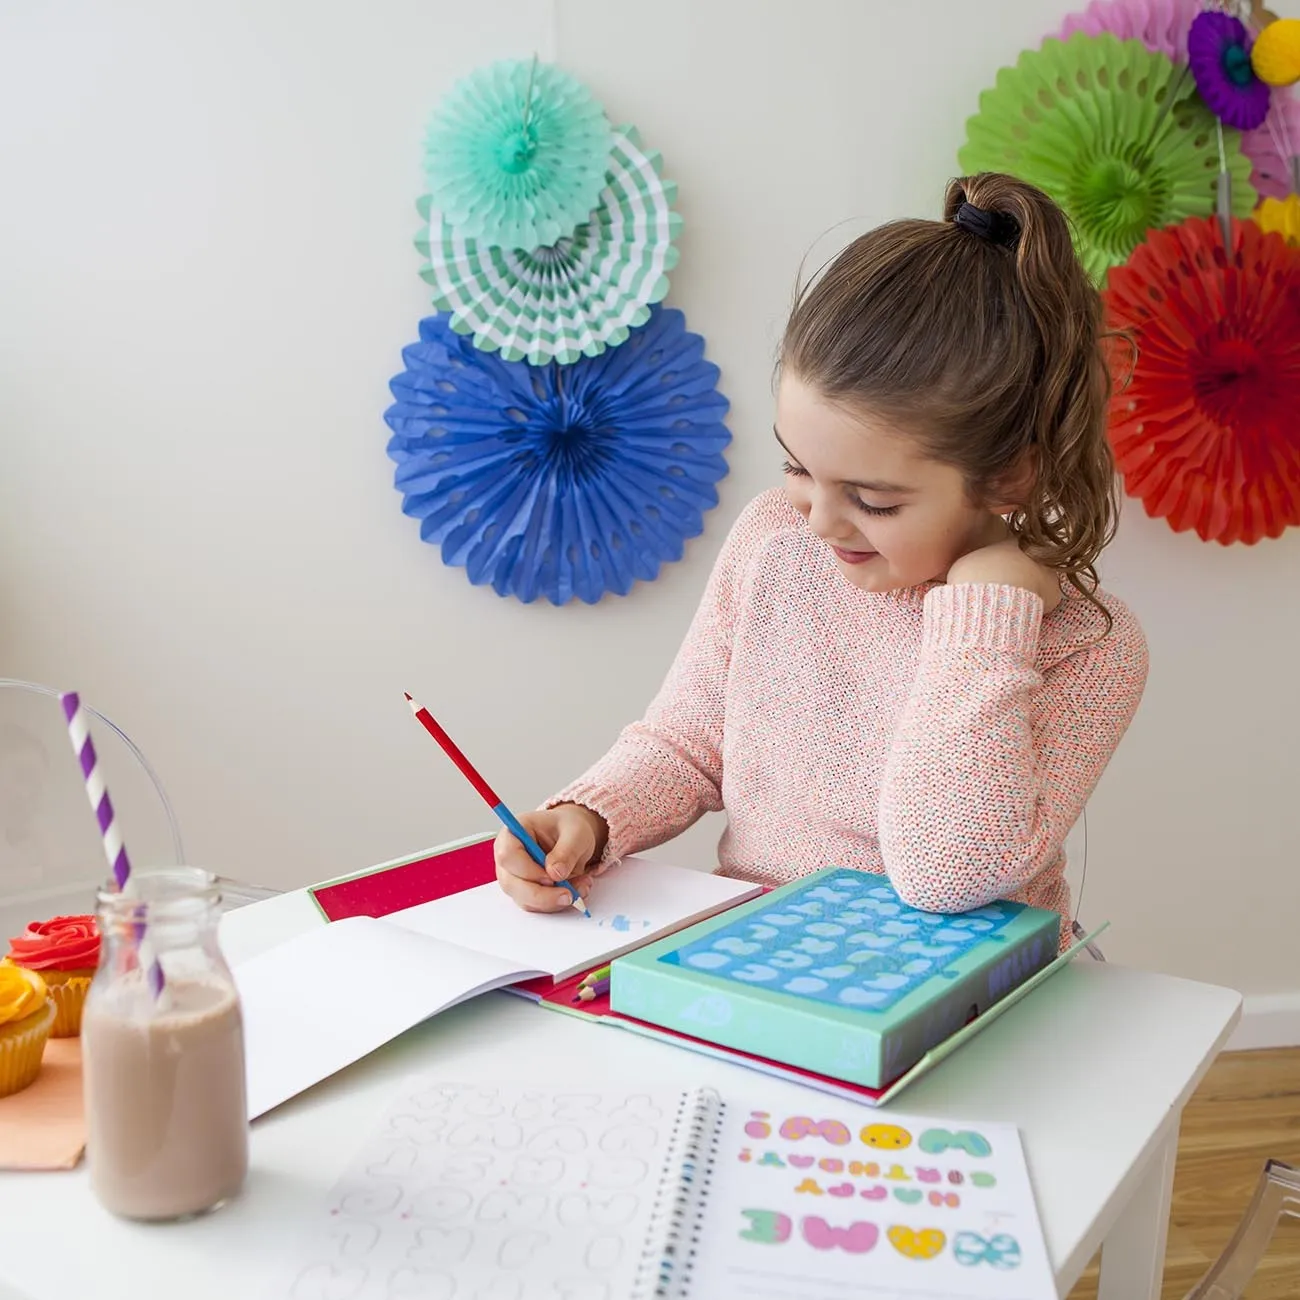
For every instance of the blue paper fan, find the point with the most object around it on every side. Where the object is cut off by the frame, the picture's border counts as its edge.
(554, 480)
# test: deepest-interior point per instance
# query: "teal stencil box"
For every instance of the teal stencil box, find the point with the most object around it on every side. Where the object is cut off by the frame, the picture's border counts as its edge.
(834, 973)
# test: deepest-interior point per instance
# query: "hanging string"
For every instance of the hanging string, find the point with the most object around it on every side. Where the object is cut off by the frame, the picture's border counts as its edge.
(528, 94)
(1184, 71)
(1223, 189)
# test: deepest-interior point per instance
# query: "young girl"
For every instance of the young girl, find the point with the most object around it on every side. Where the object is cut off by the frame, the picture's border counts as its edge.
(902, 663)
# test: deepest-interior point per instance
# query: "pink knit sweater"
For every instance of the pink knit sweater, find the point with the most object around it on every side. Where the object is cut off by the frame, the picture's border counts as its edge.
(946, 735)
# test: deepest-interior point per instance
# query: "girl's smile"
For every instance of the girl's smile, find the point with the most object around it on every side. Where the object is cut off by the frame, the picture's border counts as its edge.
(852, 557)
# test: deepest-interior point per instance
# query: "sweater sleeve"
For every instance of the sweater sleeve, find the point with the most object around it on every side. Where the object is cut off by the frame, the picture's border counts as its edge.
(993, 760)
(665, 771)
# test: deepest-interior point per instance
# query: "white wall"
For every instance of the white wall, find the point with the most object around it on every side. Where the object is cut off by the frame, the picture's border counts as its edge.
(207, 278)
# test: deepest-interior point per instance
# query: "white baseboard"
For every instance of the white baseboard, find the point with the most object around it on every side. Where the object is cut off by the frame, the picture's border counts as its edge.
(1269, 1020)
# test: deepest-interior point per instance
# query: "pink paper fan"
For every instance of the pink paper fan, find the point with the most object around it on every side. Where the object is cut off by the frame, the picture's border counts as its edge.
(1162, 25)
(1271, 147)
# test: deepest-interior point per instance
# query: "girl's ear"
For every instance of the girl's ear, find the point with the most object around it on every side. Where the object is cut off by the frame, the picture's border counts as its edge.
(1013, 489)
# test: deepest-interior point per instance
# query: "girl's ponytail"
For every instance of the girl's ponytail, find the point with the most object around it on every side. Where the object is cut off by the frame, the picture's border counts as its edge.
(1073, 509)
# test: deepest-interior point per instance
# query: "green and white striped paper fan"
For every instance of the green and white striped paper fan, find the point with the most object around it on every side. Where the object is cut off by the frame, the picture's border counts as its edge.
(573, 298)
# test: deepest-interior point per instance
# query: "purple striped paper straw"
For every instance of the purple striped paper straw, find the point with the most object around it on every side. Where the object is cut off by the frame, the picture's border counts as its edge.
(102, 806)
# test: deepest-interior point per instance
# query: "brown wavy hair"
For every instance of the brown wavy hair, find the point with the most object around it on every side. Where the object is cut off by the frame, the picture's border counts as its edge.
(990, 351)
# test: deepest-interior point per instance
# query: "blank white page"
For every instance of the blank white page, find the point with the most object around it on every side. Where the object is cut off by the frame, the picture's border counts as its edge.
(321, 1001)
(632, 903)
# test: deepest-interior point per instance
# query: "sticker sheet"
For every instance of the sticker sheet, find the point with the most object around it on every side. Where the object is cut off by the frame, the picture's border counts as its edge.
(840, 1201)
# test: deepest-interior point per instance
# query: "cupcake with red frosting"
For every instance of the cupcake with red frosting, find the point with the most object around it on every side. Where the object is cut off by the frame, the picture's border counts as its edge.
(64, 951)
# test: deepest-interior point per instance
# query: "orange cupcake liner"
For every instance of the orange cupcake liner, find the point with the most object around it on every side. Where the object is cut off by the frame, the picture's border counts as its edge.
(21, 1047)
(68, 988)
(69, 996)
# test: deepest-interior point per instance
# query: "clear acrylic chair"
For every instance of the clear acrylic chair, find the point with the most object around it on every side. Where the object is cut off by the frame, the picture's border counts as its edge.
(51, 858)
(1277, 1196)
(1076, 872)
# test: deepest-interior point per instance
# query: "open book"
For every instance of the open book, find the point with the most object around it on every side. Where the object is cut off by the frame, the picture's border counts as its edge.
(328, 997)
(481, 1189)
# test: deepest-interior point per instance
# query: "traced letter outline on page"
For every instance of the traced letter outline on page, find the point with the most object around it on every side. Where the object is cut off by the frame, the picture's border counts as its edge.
(504, 1193)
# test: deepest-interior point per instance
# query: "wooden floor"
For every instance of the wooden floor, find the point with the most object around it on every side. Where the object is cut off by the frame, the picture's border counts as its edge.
(1246, 1111)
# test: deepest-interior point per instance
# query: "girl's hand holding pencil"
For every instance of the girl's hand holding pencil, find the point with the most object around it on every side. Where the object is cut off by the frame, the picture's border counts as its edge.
(572, 838)
(556, 878)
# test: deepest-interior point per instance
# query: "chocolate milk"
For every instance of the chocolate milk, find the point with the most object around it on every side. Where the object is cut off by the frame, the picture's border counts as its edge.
(167, 1125)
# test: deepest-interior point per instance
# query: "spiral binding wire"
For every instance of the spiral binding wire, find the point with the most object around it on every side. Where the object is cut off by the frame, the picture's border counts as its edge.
(675, 1220)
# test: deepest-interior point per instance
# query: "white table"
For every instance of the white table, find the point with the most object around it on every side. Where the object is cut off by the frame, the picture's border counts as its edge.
(1094, 1068)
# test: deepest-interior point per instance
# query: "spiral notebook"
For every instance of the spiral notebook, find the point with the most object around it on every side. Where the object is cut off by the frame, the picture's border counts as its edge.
(515, 1193)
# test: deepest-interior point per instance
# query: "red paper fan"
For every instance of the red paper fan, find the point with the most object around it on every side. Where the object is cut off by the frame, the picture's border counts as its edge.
(1207, 430)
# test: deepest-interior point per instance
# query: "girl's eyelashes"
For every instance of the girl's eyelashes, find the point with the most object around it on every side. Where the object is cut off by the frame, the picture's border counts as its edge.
(798, 471)
(875, 510)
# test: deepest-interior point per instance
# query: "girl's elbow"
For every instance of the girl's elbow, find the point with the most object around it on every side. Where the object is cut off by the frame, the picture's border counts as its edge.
(938, 886)
(929, 895)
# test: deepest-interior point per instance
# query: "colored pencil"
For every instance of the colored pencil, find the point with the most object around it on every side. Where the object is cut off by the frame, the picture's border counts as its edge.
(594, 976)
(590, 992)
(490, 797)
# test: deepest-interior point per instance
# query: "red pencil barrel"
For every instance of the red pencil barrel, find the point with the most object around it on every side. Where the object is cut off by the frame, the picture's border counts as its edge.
(452, 751)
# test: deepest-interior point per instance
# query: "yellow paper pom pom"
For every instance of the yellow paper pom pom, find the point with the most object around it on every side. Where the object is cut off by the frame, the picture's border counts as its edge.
(1275, 56)
(1281, 216)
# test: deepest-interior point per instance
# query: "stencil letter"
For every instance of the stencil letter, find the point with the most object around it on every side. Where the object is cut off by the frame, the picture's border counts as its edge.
(857, 1238)
(830, 1130)
(766, 1226)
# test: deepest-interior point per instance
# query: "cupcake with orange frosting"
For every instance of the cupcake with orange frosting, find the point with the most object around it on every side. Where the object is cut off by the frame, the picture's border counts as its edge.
(26, 1017)
(64, 951)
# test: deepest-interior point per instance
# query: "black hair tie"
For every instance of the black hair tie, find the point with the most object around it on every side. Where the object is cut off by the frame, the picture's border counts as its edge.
(997, 227)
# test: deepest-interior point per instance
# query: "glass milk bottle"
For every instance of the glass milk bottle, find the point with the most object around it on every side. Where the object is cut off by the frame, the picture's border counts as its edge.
(166, 1117)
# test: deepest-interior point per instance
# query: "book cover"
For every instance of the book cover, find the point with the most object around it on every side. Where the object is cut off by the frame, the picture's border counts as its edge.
(833, 973)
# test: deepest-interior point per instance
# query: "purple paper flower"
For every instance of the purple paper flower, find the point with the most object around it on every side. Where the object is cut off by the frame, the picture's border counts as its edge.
(1218, 50)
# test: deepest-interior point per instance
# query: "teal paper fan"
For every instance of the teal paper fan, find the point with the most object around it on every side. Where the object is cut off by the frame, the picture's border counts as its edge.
(573, 298)
(1114, 134)
(516, 154)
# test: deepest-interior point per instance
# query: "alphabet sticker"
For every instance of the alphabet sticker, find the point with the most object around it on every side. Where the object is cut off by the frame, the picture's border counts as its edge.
(767, 1227)
(935, 1141)
(914, 1243)
(856, 1238)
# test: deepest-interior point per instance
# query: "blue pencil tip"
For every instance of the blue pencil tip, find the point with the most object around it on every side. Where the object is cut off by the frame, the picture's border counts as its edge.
(578, 900)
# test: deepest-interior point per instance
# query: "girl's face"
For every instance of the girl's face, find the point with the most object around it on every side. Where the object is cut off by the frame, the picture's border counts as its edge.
(891, 516)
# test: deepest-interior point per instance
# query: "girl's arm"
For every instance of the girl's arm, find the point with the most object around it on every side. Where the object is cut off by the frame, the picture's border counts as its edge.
(993, 759)
(665, 771)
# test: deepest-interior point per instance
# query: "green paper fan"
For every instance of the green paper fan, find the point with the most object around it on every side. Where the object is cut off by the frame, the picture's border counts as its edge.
(1114, 133)
(576, 297)
(516, 153)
